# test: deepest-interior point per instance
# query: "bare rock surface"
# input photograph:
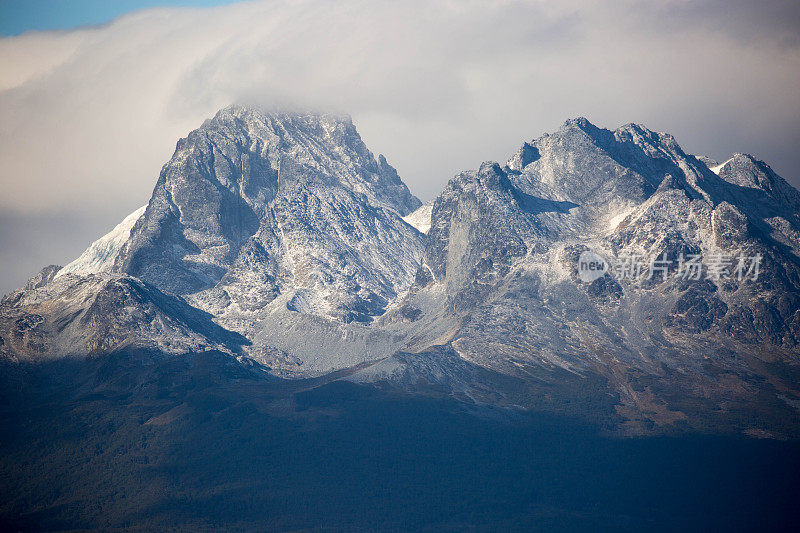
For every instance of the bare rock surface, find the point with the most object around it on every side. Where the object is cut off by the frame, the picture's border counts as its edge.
(279, 239)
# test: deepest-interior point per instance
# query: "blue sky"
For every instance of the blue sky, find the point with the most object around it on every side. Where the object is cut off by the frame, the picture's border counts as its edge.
(19, 16)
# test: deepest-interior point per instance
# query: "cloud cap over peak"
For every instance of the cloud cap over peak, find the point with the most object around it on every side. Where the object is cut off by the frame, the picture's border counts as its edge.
(87, 117)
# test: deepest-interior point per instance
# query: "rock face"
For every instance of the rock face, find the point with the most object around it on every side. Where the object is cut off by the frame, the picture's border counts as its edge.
(278, 237)
(98, 314)
(254, 205)
(500, 286)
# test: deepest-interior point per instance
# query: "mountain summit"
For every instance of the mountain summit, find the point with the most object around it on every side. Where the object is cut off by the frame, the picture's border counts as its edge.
(603, 273)
(253, 205)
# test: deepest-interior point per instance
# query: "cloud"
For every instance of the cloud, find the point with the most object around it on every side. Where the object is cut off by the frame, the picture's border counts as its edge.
(88, 117)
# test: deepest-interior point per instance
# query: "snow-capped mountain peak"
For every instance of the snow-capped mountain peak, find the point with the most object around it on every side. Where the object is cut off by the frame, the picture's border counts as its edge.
(279, 237)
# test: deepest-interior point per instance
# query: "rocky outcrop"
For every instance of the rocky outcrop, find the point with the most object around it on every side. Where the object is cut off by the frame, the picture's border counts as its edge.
(501, 267)
(255, 204)
(278, 237)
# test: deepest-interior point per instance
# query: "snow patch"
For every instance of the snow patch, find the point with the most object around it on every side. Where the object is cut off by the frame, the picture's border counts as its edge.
(616, 220)
(716, 169)
(421, 218)
(101, 254)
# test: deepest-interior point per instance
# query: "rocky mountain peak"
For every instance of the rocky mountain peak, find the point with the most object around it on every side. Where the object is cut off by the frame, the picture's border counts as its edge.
(746, 171)
(578, 122)
(278, 236)
(232, 183)
(297, 146)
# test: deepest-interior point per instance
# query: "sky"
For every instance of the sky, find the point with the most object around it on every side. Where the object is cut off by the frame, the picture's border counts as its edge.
(19, 16)
(94, 95)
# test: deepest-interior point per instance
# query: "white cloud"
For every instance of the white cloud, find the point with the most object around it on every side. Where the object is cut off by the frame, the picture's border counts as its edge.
(88, 117)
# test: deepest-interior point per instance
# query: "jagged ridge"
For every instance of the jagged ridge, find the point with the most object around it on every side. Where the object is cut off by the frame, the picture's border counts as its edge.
(284, 228)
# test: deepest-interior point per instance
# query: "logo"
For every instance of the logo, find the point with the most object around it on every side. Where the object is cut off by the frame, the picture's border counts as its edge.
(591, 266)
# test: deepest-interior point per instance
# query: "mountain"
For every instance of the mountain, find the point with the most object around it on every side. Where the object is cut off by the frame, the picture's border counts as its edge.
(278, 239)
(258, 217)
(253, 205)
(500, 285)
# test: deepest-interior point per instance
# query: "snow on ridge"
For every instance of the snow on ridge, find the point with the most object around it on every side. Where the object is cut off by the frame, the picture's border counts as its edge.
(616, 220)
(421, 218)
(100, 255)
(716, 169)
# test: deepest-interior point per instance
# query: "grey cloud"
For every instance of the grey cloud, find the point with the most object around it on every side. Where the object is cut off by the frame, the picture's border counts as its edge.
(769, 23)
(31, 241)
(87, 118)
